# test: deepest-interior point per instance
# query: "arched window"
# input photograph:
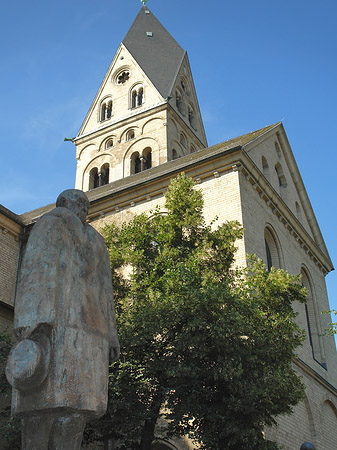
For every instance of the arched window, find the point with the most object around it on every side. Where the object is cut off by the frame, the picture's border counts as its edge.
(265, 168)
(278, 150)
(134, 99)
(191, 117)
(106, 110)
(137, 96)
(109, 110)
(192, 148)
(281, 181)
(104, 175)
(93, 178)
(272, 250)
(142, 162)
(140, 96)
(130, 135)
(147, 158)
(314, 331)
(135, 163)
(183, 140)
(109, 143)
(174, 154)
(179, 102)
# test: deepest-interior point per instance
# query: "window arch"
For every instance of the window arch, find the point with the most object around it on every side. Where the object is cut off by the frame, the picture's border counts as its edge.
(273, 258)
(183, 84)
(109, 143)
(179, 101)
(278, 150)
(135, 163)
(130, 135)
(174, 154)
(106, 109)
(191, 117)
(192, 148)
(281, 181)
(314, 331)
(147, 158)
(104, 174)
(142, 162)
(265, 168)
(183, 140)
(93, 178)
(329, 422)
(137, 96)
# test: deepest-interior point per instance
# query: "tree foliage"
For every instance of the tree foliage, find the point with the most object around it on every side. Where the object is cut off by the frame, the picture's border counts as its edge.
(207, 346)
(332, 328)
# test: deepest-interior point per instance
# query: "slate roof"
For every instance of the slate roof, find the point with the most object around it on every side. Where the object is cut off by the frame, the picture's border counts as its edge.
(244, 139)
(160, 56)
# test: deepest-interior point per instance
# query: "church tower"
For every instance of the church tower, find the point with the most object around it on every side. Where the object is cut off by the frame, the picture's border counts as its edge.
(145, 112)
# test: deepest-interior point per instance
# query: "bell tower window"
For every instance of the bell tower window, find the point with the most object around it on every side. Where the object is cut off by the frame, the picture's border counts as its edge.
(147, 158)
(142, 162)
(93, 178)
(106, 110)
(191, 117)
(137, 96)
(179, 102)
(123, 77)
(104, 175)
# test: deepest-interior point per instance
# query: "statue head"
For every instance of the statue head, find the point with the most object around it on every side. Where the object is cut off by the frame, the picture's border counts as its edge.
(76, 201)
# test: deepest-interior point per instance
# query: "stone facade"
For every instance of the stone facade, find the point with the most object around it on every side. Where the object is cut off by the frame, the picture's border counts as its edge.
(253, 179)
(11, 230)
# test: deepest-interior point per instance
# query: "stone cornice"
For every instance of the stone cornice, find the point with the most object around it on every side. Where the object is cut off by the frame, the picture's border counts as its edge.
(8, 225)
(153, 182)
(316, 376)
(127, 119)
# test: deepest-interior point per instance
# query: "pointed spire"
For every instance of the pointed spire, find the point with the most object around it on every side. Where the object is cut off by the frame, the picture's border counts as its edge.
(155, 50)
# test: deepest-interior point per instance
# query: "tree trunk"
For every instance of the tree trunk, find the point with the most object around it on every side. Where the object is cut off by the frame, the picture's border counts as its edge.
(150, 423)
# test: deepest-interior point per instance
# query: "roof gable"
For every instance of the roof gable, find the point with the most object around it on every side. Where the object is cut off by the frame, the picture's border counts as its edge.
(265, 145)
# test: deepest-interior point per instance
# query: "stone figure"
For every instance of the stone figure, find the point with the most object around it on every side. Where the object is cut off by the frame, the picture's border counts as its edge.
(65, 327)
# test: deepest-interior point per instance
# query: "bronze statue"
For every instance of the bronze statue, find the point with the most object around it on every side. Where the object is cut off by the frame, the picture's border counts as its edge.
(65, 327)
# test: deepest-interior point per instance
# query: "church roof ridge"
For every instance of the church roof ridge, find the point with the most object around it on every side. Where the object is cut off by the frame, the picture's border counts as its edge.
(155, 50)
(246, 138)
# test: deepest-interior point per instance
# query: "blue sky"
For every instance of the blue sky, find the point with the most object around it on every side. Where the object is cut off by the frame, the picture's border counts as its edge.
(254, 63)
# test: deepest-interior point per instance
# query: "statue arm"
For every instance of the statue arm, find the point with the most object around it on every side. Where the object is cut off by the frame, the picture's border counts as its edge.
(108, 292)
(37, 290)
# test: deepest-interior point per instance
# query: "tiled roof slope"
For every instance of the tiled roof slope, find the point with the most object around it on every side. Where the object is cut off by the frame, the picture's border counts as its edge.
(244, 139)
(160, 56)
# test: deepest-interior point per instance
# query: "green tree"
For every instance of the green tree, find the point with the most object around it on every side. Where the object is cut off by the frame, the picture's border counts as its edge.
(332, 328)
(207, 346)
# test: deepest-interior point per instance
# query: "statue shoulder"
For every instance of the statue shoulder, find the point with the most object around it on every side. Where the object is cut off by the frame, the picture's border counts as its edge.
(95, 237)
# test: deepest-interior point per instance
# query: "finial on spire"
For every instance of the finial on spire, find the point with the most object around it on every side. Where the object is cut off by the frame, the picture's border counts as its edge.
(144, 2)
